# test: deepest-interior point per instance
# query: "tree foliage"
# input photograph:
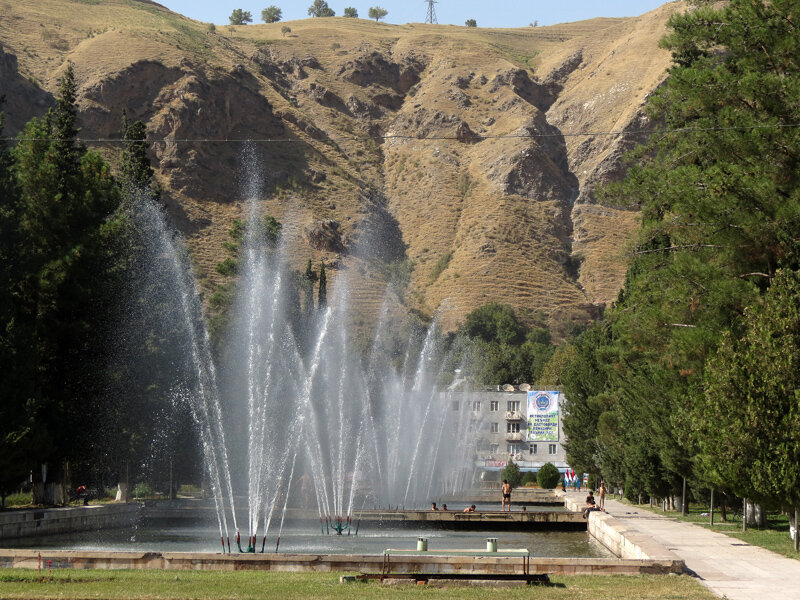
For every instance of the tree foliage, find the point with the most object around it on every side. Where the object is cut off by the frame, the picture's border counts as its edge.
(548, 476)
(351, 12)
(320, 8)
(512, 474)
(240, 17)
(271, 14)
(471, 23)
(720, 206)
(377, 13)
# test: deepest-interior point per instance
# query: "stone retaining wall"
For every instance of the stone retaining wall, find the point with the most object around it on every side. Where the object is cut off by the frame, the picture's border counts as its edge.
(24, 523)
(624, 541)
(326, 563)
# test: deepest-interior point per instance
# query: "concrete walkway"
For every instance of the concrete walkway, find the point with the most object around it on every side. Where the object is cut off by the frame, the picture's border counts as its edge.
(728, 567)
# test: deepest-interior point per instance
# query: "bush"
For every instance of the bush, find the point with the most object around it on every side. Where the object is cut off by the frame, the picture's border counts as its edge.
(351, 12)
(23, 499)
(529, 478)
(286, 29)
(511, 474)
(548, 476)
(471, 23)
(142, 490)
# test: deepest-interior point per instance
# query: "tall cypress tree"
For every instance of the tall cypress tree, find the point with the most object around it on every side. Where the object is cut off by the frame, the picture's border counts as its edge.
(67, 199)
(135, 170)
(322, 299)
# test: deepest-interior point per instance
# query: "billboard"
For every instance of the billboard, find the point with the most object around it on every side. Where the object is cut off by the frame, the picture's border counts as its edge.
(542, 416)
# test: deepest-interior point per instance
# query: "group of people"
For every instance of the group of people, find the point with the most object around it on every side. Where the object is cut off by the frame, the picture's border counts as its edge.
(505, 489)
(444, 507)
(592, 504)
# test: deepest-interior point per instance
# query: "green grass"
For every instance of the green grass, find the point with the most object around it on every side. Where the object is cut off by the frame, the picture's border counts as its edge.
(774, 537)
(23, 583)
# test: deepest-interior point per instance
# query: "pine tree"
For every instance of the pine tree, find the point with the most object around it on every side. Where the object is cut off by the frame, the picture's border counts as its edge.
(322, 300)
(135, 170)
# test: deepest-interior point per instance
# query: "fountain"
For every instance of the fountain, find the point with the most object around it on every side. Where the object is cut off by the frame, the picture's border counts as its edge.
(305, 402)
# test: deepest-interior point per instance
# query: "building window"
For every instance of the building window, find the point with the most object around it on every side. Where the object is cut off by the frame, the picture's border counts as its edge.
(494, 405)
(533, 448)
(513, 405)
(495, 427)
(513, 448)
(552, 448)
(455, 404)
(512, 427)
(493, 448)
(476, 406)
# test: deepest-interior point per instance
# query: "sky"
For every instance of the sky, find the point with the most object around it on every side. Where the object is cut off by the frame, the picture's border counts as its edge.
(488, 13)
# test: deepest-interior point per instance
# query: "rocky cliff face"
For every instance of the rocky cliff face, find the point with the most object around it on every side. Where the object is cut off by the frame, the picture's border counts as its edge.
(465, 159)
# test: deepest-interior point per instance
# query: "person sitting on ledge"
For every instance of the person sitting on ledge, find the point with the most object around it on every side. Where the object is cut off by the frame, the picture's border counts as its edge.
(470, 508)
(590, 507)
(444, 506)
(433, 506)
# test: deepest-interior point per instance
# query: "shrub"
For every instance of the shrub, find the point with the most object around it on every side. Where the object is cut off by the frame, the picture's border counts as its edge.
(211, 28)
(227, 267)
(548, 476)
(142, 490)
(286, 29)
(529, 478)
(511, 474)
(351, 12)
(471, 23)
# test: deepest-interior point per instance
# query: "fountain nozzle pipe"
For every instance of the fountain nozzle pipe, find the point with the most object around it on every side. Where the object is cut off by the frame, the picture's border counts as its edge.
(222, 539)
(263, 543)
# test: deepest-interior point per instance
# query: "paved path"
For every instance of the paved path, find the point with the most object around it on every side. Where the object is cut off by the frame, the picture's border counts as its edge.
(728, 567)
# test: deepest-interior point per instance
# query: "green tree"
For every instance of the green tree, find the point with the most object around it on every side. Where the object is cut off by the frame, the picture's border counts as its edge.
(68, 202)
(135, 170)
(271, 14)
(320, 8)
(471, 23)
(322, 299)
(240, 17)
(512, 474)
(548, 476)
(285, 29)
(377, 13)
(494, 322)
(748, 427)
(351, 12)
(720, 200)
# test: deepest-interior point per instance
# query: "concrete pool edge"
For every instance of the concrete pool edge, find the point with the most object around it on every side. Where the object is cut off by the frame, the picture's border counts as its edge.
(365, 563)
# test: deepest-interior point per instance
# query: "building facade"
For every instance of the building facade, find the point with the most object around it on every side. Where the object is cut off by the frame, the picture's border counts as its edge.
(499, 422)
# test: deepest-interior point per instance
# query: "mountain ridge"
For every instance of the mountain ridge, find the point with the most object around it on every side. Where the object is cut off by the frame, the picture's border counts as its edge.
(462, 157)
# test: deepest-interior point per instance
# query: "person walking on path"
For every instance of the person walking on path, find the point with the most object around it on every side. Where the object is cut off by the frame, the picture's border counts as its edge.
(601, 494)
(506, 489)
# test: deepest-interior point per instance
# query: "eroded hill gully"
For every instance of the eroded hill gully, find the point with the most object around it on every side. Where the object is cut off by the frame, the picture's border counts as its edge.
(483, 194)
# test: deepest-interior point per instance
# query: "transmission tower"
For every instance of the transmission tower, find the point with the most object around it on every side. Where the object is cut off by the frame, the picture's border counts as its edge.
(431, 18)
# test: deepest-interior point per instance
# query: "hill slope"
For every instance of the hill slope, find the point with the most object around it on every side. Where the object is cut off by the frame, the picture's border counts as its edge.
(452, 161)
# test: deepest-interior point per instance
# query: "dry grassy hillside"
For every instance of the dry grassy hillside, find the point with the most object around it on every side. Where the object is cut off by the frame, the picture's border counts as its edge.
(456, 163)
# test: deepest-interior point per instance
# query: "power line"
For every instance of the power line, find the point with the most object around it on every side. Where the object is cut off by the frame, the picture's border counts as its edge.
(475, 137)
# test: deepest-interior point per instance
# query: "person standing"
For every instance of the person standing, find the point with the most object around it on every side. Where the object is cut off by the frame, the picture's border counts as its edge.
(601, 494)
(506, 489)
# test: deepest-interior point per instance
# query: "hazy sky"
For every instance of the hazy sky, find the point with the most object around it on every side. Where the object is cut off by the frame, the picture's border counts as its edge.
(488, 13)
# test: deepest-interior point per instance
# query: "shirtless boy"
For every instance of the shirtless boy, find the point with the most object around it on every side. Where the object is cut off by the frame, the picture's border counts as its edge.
(506, 489)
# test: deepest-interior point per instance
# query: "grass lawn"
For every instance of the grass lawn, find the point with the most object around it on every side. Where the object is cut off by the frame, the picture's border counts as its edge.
(775, 537)
(23, 583)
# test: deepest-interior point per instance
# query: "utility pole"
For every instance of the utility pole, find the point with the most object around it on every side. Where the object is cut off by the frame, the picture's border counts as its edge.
(431, 16)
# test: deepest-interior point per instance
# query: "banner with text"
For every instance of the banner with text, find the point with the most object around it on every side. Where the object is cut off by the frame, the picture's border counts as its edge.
(542, 416)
